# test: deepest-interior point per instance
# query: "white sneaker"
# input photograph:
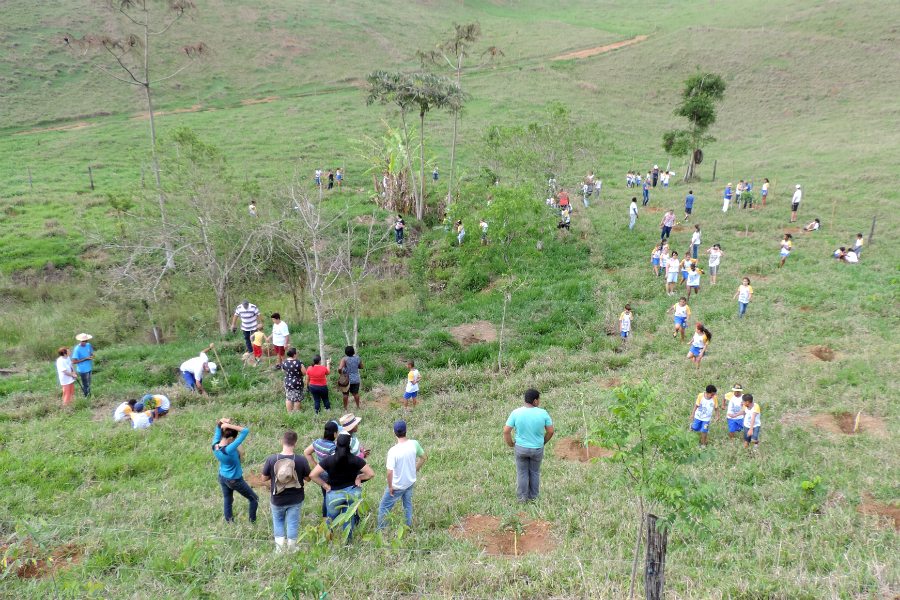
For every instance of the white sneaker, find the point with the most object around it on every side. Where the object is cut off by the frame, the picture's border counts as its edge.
(292, 545)
(279, 545)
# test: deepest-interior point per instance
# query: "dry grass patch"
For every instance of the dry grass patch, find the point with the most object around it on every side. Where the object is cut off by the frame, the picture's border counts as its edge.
(525, 536)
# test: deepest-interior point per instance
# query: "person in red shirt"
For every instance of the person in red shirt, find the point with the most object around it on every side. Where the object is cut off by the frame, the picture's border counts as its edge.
(318, 384)
(563, 200)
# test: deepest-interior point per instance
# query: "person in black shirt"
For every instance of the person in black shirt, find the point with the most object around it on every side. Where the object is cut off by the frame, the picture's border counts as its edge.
(286, 471)
(330, 178)
(399, 224)
(343, 488)
(293, 370)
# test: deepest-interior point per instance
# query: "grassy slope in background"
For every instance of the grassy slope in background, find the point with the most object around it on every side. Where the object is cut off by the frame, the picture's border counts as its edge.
(808, 98)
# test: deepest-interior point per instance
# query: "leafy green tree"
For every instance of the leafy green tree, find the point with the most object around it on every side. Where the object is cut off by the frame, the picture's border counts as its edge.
(653, 455)
(698, 105)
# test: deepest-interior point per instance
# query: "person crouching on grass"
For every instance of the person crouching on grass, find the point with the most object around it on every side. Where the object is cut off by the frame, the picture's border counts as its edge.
(702, 338)
(192, 371)
(702, 413)
(752, 421)
(226, 447)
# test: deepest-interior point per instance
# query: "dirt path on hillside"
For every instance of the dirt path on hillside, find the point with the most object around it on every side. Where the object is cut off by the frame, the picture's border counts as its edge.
(602, 49)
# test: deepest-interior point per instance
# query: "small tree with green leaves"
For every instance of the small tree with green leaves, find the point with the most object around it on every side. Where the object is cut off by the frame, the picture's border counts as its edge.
(653, 454)
(698, 105)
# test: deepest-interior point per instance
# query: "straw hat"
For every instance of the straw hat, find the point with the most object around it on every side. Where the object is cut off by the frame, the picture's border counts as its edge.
(349, 421)
(797, 186)
(83, 337)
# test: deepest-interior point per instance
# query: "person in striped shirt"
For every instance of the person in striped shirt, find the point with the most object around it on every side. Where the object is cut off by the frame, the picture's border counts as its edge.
(249, 315)
(320, 449)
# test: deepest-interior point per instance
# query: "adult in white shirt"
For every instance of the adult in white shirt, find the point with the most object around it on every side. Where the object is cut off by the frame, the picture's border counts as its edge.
(280, 338)
(403, 462)
(192, 370)
(695, 241)
(795, 202)
(67, 375)
(633, 213)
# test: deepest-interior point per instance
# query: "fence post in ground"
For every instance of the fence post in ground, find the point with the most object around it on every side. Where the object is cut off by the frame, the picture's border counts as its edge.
(872, 233)
(715, 164)
(91, 177)
(30, 182)
(344, 169)
(655, 561)
(833, 206)
(142, 176)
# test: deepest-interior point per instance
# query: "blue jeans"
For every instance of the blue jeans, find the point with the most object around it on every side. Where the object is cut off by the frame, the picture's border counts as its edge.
(388, 501)
(286, 515)
(319, 394)
(340, 501)
(460, 237)
(528, 472)
(247, 343)
(694, 250)
(398, 236)
(85, 383)
(229, 487)
(633, 219)
(742, 308)
(586, 201)
(646, 197)
(666, 232)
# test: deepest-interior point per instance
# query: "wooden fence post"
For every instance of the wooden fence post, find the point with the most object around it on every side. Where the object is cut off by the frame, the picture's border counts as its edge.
(833, 206)
(142, 176)
(715, 164)
(871, 233)
(344, 169)
(91, 177)
(30, 182)
(655, 561)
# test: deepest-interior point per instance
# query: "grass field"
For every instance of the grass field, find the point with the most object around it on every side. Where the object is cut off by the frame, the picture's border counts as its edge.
(811, 99)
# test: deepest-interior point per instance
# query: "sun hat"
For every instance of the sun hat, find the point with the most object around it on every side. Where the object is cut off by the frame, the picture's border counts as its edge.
(737, 388)
(399, 426)
(349, 421)
(212, 367)
(655, 166)
(797, 186)
(83, 337)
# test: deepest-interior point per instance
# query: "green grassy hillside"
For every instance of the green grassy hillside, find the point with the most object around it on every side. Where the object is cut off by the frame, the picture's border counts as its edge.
(811, 100)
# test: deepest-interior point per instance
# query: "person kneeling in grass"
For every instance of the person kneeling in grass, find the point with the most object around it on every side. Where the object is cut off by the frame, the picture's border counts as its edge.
(192, 371)
(123, 411)
(752, 421)
(140, 419)
(734, 410)
(702, 412)
(158, 403)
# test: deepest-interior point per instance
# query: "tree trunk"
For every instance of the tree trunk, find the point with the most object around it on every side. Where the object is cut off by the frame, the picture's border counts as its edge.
(655, 561)
(637, 547)
(320, 324)
(506, 299)
(453, 146)
(412, 173)
(689, 174)
(420, 209)
(222, 310)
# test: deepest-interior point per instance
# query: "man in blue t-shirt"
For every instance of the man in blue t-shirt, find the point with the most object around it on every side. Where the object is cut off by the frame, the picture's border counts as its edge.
(533, 430)
(688, 205)
(82, 357)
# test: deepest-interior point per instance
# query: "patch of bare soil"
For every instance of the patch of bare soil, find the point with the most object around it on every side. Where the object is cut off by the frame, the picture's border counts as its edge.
(526, 536)
(474, 333)
(364, 220)
(653, 208)
(575, 450)
(806, 309)
(38, 568)
(255, 480)
(70, 127)
(678, 228)
(266, 100)
(383, 400)
(823, 353)
(884, 511)
(791, 230)
(8, 372)
(846, 424)
(609, 383)
(142, 116)
(601, 49)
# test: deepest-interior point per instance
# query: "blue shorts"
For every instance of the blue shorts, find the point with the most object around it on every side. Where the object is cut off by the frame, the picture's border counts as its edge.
(684, 274)
(317, 180)
(409, 395)
(785, 254)
(160, 411)
(754, 435)
(672, 277)
(701, 426)
(696, 350)
(688, 209)
(189, 379)
(624, 334)
(655, 262)
(338, 177)
(666, 184)
(694, 287)
(681, 321)
(735, 425)
(434, 177)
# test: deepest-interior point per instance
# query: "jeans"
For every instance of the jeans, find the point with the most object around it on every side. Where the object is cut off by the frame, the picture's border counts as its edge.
(460, 237)
(586, 202)
(319, 394)
(742, 308)
(398, 236)
(324, 477)
(528, 472)
(340, 501)
(666, 232)
(388, 501)
(633, 219)
(286, 515)
(229, 487)
(85, 383)
(247, 343)
(646, 197)
(694, 250)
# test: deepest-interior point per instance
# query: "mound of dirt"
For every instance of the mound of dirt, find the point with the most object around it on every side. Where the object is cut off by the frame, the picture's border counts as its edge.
(59, 559)
(846, 424)
(575, 450)
(474, 333)
(819, 352)
(791, 230)
(653, 208)
(884, 511)
(500, 539)
(678, 228)
(255, 480)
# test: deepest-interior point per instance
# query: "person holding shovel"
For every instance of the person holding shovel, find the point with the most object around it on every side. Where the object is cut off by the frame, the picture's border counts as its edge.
(192, 370)
(82, 358)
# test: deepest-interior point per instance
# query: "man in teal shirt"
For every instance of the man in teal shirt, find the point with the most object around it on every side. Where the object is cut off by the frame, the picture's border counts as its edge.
(533, 430)
(82, 357)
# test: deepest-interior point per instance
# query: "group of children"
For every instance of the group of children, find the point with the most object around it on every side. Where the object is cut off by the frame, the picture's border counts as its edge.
(741, 411)
(142, 414)
(332, 175)
(743, 190)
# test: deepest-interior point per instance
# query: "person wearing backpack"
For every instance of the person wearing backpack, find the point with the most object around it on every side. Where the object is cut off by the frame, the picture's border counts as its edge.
(286, 471)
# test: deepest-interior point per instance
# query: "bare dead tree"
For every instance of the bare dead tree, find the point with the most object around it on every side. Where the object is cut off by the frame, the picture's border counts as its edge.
(507, 289)
(128, 60)
(359, 271)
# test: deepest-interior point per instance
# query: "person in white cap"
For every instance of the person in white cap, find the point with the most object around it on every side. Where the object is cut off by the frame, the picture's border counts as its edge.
(795, 202)
(192, 370)
(82, 357)
(655, 174)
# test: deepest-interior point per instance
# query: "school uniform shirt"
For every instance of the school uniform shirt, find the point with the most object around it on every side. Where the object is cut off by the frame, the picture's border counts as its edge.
(856, 246)
(786, 246)
(655, 254)
(695, 238)
(64, 363)
(195, 365)
(765, 189)
(705, 407)
(851, 257)
(140, 420)
(123, 411)
(748, 415)
(410, 386)
(625, 320)
(686, 264)
(401, 460)
(252, 210)
(735, 405)
(161, 402)
(682, 311)
(693, 278)
(714, 257)
(699, 340)
(279, 333)
(744, 293)
(249, 316)
(484, 227)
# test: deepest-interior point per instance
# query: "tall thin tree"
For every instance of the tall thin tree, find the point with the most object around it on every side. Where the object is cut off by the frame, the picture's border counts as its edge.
(698, 105)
